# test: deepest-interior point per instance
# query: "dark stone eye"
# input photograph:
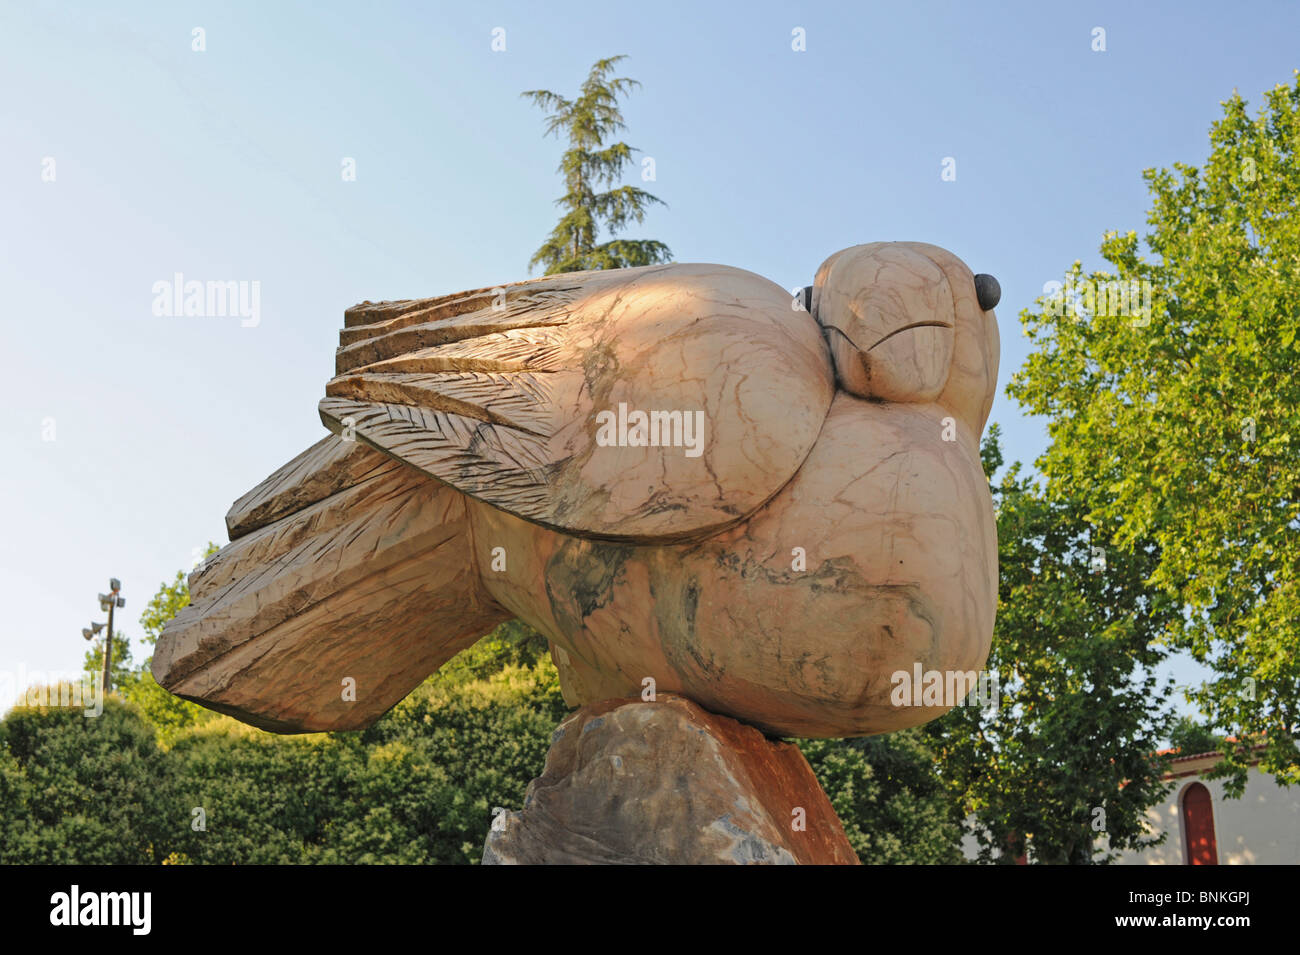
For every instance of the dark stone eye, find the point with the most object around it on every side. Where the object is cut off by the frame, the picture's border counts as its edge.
(987, 290)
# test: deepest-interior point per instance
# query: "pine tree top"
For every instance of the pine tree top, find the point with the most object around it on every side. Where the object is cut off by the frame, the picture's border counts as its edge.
(588, 165)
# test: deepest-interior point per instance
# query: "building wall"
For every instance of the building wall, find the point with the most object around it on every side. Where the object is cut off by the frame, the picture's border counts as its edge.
(1260, 828)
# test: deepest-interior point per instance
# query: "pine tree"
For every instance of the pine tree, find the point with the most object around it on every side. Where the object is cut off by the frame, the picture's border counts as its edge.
(588, 164)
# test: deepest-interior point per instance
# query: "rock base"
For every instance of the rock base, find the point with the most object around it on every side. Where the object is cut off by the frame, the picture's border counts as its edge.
(666, 782)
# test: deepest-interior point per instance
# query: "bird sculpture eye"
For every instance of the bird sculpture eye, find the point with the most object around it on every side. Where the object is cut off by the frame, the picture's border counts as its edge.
(987, 290)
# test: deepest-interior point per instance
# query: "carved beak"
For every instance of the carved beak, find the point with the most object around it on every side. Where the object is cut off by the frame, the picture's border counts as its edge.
(888, 318)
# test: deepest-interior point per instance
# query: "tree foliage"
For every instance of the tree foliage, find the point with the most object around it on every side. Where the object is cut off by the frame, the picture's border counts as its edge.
(418, 787)
(1062, 764)
(168, 713)
(1179, 427)
(588, 165)
(1188, 738)
(81, 789)
(893, 805)
(93, 662)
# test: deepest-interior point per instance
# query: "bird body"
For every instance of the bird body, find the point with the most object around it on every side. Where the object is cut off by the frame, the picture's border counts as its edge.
(878, 554)
(526, 451)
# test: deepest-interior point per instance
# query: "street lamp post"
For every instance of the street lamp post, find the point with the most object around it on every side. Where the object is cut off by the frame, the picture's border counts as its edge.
(108, 602)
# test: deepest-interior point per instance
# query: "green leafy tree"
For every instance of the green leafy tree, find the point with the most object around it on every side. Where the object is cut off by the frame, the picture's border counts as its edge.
(1188, 737)
(168, 713)
(93, 662)
(588, 166)
(1180, 426)
(1062, 764)
(889, 798)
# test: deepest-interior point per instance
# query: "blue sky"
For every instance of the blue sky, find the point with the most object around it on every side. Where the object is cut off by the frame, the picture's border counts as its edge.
(225, 164)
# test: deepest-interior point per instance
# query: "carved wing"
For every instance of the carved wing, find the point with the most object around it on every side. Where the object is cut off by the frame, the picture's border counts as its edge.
(344, 567)
(530, 397)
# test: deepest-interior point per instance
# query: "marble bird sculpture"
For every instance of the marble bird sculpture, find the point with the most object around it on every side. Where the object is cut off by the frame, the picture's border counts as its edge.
(675, 473)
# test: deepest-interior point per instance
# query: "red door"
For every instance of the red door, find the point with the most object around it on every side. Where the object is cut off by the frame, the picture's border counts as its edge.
(1198, 826)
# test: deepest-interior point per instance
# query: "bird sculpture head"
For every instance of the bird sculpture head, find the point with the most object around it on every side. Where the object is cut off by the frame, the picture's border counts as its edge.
(909, 322)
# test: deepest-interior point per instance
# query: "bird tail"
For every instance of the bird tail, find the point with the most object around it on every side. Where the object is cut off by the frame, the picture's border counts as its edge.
(349, 578)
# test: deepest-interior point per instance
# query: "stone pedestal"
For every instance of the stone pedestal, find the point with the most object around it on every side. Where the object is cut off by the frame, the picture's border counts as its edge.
(667, 782)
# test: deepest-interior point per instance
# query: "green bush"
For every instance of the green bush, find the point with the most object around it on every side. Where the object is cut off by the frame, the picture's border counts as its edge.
(79, 789)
